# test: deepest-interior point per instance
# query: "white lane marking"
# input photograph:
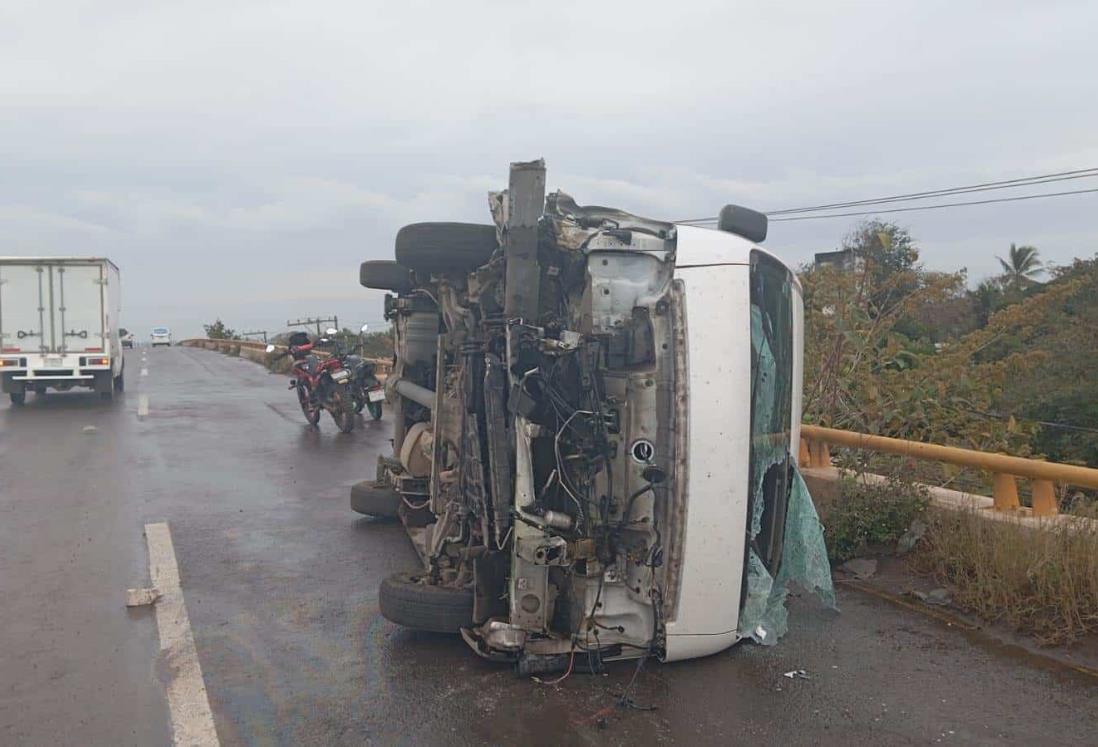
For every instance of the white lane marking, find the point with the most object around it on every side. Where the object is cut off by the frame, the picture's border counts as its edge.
(144, 372)
(192, 720)
(142, 405)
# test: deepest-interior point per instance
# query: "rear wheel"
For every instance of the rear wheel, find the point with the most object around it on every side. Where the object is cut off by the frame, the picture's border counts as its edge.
(445, 247)
(385, 274)
(308, 408)
(439, 609)
(375, 410)
(18, 398)
(120, 382)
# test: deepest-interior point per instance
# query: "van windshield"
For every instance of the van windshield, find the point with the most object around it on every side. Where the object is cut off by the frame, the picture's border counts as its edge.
(160, 330)
(771, 404)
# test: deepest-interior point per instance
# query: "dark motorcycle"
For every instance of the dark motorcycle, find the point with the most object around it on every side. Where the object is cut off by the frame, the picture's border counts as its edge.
(320, 384)
(366, 391)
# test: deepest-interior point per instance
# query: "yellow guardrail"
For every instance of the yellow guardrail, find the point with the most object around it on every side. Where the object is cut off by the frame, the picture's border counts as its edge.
(817, 440)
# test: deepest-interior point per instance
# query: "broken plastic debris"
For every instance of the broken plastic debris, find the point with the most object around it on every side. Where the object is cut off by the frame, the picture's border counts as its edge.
(798, 674)
(142, 597)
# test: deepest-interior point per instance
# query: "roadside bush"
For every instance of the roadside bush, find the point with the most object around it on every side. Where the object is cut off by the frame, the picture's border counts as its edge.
(871, 514)
(1041, 581)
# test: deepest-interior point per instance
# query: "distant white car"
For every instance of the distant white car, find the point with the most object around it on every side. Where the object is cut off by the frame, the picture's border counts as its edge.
(161, 336)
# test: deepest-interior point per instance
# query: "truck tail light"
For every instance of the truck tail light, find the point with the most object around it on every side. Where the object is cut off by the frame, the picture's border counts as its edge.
(9, 362)
(98, 361)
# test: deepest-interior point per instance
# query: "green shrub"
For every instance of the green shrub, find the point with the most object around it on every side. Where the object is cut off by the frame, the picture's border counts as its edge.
(871, 514)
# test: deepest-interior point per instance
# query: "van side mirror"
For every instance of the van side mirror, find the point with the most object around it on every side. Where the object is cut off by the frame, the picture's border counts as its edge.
(751, 224)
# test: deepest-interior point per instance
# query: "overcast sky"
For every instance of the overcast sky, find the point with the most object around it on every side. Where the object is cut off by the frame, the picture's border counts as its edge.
(241, 158)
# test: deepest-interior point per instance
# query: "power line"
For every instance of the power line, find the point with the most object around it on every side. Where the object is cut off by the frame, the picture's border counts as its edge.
(1015, 183)
(940, 206)
(982, 187)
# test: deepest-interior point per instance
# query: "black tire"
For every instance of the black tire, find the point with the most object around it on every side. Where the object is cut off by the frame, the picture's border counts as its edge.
(107, 396)
(371, 499)
(311, 413)
(120, 382)
(18, 398)
(436, 609)
(343, 411)
(445, 247)
(375, 410)
(385, 274)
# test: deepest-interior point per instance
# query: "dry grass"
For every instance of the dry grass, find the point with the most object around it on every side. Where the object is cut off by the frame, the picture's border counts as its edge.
(1042, 582)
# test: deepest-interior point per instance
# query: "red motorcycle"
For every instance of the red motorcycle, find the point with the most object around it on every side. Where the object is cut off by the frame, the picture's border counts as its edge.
(321, 384)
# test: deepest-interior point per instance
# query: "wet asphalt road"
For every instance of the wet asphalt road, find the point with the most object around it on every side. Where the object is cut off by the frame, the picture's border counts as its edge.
(280, 580)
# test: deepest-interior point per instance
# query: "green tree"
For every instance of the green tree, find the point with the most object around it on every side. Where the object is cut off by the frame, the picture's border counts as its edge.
(218, 331)
(1021, 266)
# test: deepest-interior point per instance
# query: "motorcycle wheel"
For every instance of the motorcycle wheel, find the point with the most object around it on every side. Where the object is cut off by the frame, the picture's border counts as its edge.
(343, 412)
(360, 401)
(311, 412)
(375, 410)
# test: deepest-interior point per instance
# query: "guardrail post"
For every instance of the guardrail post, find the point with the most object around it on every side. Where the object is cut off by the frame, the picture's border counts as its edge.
(1044, 498)
(819, 453)
(1004, 491)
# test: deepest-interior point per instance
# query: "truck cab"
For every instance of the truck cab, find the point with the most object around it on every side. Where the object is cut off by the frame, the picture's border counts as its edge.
(59, 326)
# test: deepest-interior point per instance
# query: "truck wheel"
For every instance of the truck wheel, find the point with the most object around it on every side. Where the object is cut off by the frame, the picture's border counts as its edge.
(445, 247)
(385, 274)
(120, 382)
(420, 606)
(367, 497)
(18, 398)
(107, 396)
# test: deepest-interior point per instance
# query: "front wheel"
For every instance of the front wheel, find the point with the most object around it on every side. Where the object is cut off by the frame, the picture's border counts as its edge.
(408, 600)
(375, 410)
(343, 411)
(308, 407)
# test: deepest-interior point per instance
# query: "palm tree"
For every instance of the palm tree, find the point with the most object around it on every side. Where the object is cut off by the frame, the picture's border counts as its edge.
(1022, 266)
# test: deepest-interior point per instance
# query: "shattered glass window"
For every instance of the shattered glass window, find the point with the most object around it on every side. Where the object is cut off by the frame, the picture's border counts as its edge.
(785, 538)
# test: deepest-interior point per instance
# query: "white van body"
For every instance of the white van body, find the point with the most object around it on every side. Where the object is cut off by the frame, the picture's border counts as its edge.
(59, 319)
(606, 466)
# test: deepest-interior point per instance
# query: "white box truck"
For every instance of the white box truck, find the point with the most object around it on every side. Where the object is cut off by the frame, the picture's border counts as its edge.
(59, 325)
